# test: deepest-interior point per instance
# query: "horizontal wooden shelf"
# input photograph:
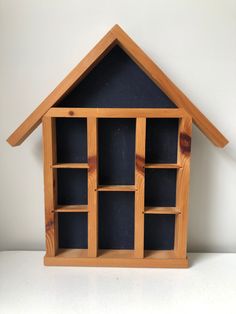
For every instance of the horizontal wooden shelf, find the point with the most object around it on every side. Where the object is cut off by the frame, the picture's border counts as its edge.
(116, 258)
(111, 253)
(116, 112)
(161, 210)
(71, 165)
(71, 209)
(117, 188)
(163, 166)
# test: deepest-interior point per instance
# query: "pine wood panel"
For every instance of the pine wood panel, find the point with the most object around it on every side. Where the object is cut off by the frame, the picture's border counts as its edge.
(116, 188)
(71, 209)
(162, 166)
(116, 112)
(161, 210)
(112, 258)
(92, 187)
(182, 186)
(50, 185)
(139, 182)
(71, 166)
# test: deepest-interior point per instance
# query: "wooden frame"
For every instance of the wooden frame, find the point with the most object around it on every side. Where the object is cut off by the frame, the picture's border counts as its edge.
(137, 257)
(47, 112)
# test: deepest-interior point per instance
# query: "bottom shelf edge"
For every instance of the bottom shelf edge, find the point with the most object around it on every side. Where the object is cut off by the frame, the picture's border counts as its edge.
(111, 261)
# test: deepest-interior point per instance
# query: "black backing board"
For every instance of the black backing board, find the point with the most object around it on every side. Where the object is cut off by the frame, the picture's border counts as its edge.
(116, 82)
(161, 140)
(71, 137)
(160, 187)
(159, 232)
(72, 186)
(73, 230)
(116, 220)
(116, 148)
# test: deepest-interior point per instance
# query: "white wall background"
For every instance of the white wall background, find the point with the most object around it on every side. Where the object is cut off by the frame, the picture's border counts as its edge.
(193, 41)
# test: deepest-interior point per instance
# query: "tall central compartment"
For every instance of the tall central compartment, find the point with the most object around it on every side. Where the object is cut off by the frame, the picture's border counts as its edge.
(116, 168)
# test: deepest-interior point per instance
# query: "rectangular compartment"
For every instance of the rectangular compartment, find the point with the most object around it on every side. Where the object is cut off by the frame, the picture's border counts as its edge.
(160, 187)
(71, 139)
(116, 220)
(159, 232)
(161, 140)
(73, 230)
(72, 186)
(116, 138)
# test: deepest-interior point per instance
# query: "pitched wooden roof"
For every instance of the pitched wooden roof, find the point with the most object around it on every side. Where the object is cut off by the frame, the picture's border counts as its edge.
(117, 36)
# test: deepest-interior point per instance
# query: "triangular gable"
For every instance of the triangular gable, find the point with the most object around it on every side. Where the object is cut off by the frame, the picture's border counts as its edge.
(117, 36)
(116, 82)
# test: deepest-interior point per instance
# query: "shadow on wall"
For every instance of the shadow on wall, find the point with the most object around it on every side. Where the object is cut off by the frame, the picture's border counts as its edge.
(207, 193)
(37, 148)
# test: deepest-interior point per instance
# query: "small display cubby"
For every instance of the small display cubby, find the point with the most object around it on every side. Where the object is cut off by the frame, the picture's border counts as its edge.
(116, 220)
(116, 149)
(159, 232)
(71, 140)
(73, 230)
(72, 186)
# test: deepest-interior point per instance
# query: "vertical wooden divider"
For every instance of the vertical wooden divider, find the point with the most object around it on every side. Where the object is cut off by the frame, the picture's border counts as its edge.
(182, 185)
(92, 187)
(50, 185)
(139, 184)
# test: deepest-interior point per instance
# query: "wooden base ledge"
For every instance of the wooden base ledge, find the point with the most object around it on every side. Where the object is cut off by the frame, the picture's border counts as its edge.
(121, 261)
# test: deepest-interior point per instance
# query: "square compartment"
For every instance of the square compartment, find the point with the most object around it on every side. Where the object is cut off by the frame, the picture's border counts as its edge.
(71, 139)
(116, 139)
(160, 187)
(73, 230)
(159, 232)
(161, 140)
(72, 186)
(116, 220)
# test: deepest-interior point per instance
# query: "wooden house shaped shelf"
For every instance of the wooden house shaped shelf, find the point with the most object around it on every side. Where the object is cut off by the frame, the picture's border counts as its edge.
(117, 144)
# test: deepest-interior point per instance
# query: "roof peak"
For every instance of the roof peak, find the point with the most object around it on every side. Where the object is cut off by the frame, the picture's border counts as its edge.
(117, 36)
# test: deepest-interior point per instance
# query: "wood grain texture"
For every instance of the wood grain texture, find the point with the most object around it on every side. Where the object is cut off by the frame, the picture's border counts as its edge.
(116, 258)
(162, 166)
(114, 36)
(71, 209)
(50, 185)
(115, 113)
(182, 186)
(139, 182)
(116, 188)
(92, 187)
(161, 210)
(71, 166)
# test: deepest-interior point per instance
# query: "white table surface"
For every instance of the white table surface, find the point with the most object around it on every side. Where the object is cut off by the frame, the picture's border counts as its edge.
(26, 286)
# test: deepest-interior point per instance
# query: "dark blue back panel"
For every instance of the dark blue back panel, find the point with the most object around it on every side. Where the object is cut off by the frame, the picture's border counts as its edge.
(72, 186)
(160, 187)
(116, 220)
(161, 140)
(116, 82)
(116, 139)
(159, 232)
(73, 230)
(71, 136)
